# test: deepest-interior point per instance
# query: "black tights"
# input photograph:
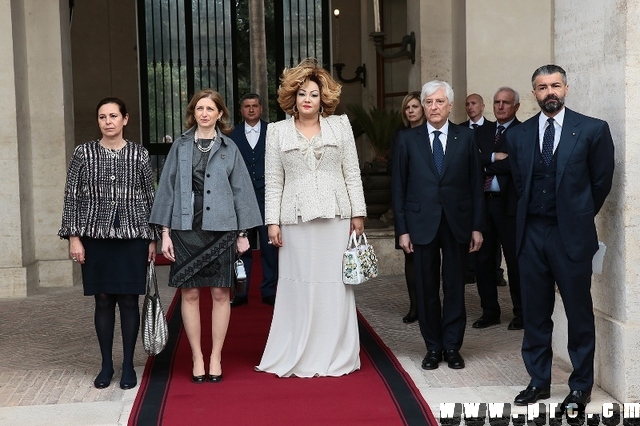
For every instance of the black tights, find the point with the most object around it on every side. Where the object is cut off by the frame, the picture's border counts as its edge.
(105, 318)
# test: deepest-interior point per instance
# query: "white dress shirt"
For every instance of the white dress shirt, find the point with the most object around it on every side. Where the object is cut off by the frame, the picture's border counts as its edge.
(444, 130)
(557, 124)
(252, 134)
(480, 122)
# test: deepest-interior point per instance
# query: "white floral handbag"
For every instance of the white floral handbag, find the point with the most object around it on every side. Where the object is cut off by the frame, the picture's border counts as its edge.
(359, 261)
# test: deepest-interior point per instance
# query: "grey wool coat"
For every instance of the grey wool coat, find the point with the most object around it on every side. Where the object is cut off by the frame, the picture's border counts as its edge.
(229, 201)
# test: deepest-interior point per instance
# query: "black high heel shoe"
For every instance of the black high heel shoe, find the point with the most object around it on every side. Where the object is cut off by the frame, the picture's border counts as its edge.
(214, 379)
(199, 379)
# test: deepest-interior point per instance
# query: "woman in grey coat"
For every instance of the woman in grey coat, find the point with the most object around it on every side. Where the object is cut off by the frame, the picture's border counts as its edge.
(204, 203)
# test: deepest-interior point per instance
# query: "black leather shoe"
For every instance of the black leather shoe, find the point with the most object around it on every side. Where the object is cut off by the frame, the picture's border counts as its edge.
(576, 401)
(269, 300)
(501, 282)
(484, 322)
(199, 379)
(516, 324)
(214, 379)
(431, 360)
(103, 380)
(409, 318)
(531, 394)
(454, 359)
(239, 301)
(470, 279)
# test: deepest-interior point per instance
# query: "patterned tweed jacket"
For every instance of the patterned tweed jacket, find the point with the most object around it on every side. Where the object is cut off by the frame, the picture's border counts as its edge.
(101, 186)
(329, 188)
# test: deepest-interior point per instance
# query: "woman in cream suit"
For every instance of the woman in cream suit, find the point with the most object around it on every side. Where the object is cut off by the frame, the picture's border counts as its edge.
(313, 200)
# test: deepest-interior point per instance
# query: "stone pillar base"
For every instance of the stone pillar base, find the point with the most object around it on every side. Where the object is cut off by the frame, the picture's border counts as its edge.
(14, 282)
(390, 259)
(53, 273)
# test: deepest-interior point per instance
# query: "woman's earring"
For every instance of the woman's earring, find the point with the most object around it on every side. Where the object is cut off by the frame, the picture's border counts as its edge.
(321, 109)
(295, 109)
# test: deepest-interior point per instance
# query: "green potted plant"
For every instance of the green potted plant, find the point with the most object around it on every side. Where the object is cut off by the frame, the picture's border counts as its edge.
(380, 127)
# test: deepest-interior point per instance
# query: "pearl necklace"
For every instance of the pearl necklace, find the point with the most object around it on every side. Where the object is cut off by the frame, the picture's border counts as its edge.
(200, 147)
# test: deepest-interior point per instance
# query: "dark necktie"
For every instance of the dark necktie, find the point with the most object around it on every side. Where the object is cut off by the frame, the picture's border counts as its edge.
(438, 152)
(488, 178)
(547, 142)
(474, 125)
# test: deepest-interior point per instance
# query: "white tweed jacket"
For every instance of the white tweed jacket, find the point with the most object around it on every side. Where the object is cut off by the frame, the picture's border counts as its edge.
(293, 189)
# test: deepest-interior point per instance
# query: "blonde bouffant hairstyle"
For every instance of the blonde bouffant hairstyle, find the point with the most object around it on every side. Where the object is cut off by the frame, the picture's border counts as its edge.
(223, 123)
(294, 78)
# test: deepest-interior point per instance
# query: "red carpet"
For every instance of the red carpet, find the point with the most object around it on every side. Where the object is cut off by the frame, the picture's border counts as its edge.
(381, 393)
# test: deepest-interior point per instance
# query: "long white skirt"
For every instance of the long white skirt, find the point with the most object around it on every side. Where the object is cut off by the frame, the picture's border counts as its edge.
(314, 331)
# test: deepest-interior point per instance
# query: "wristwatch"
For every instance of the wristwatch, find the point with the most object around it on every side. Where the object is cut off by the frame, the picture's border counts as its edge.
(242, 234)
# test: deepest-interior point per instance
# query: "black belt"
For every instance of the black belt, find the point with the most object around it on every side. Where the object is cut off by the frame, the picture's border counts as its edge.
(491, 194)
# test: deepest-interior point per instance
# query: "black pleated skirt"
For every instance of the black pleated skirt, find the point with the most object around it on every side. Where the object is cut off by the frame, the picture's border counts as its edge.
(114, 266)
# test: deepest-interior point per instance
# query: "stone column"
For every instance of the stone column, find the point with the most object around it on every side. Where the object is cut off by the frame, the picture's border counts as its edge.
(34, 143)
(440, 46)
(596, 43)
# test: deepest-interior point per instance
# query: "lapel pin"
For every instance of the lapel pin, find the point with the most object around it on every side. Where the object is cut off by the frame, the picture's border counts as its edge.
(221, 155)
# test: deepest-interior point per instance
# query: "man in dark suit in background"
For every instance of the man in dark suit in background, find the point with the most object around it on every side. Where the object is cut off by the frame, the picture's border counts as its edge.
(562, 164)
(474, 105)
(438, 206)
(250, 136)
(500, 205)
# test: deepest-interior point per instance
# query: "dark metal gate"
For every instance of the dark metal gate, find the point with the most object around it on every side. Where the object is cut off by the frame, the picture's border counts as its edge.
(186, 45)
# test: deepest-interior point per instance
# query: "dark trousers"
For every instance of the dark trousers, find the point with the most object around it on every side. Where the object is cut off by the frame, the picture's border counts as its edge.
(410, 278)
(443, 327)
(269, 257)
(543, 263)
(500, 231)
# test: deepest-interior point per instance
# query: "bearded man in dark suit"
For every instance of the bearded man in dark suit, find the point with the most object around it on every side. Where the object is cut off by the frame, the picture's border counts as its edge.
(438, 206)
(562, 164)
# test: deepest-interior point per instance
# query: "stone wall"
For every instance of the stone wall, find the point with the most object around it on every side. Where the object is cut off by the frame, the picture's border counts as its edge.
(36, 100)
(596, 43)
(504, 46)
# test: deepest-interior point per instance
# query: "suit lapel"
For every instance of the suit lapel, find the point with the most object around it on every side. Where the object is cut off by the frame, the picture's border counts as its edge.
(528, 146)
(453, 144)
(289, 137)
(568, 139)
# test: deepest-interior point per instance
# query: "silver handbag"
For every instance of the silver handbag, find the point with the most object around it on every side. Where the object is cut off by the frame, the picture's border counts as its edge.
(155, 331)
(241, 277)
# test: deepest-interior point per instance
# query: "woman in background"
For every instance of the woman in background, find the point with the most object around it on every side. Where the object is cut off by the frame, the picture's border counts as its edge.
(107, 200)
(412, 116)
(205, 202)
(313, 200)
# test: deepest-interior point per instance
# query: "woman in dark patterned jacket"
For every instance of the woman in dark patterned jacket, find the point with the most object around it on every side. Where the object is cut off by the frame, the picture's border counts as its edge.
(107, 201)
